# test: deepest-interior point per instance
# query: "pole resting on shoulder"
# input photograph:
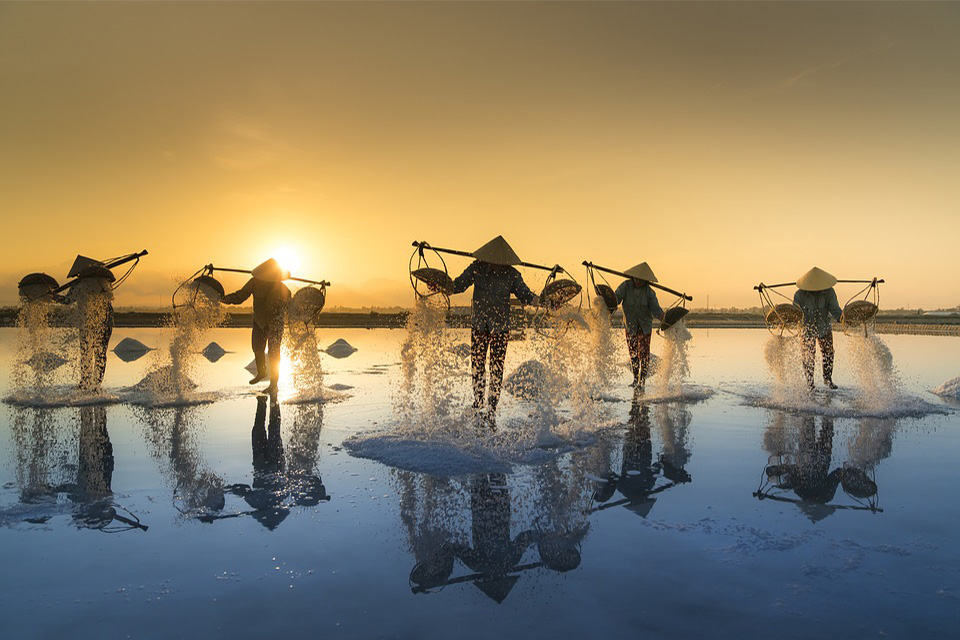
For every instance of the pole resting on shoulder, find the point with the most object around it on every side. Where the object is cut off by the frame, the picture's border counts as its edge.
(679, 294)
(467, 254)
(109, 265)
(210, 268)
(874, 282)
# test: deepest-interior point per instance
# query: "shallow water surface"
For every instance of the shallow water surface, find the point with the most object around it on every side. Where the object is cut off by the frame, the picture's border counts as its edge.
(716, 513)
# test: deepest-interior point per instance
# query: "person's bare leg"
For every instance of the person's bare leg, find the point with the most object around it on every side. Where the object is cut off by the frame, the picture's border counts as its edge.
(827, 352)
(275, 340)
(258, 341)
(643, 342)
(480, 340)
(498, 354)
(633, 348)
(808, 355)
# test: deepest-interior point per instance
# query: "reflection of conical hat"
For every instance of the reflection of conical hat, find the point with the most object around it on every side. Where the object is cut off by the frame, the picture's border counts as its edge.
(497, 251)
(641, 271)
(271, 271)
(815, 280)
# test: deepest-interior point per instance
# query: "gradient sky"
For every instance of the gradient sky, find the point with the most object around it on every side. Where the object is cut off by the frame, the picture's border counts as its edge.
(724, 143)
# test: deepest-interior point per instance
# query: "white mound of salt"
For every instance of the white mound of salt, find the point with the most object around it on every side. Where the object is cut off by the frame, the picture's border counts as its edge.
(45, 361)
(527, 380)
(163, 380)
(213, 352)
(252, 367)
(340, 349)
(949, 389)
(131, 345)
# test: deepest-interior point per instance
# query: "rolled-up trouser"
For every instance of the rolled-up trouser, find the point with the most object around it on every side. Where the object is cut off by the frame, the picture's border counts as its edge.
(808, 353)
(497, 344)
(638, 344)
(260, 339)
(93, 353)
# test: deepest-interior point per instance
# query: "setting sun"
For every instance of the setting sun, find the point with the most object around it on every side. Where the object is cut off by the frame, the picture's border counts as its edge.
(288, 257)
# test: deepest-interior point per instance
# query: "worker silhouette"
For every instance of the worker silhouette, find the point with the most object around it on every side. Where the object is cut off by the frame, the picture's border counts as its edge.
(640, 307)
(817, 299)
(270, 300)
(494, 279)
(92, 293)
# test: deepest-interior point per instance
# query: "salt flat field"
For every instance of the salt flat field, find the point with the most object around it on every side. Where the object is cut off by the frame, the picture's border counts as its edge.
(721, 504)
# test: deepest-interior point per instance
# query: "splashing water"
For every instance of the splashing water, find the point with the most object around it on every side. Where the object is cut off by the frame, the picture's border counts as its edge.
(782, 354)
(872, 363)
(674, 363)
(428, 397)
(601, 348)
(173, 373)
(41, 351)
(307, 368)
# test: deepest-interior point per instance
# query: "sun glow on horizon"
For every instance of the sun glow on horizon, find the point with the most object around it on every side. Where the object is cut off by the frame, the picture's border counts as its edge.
(288, 257)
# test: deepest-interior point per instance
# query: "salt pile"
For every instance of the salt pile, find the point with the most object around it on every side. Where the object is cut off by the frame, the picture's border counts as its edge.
(340, 349)
(949, 389)
(131, 349)
(213, 352)
(527, 380)
(46, 362)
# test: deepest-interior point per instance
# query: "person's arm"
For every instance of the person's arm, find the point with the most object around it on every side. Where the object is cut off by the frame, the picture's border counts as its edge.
(522, 291)
(239, 296)
(655, 307)
(797, 296)
(621, 291)
(465, 279)
(833, 306)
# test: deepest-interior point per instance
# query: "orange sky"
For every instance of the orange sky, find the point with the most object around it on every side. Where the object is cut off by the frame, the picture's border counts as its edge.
(723, 143)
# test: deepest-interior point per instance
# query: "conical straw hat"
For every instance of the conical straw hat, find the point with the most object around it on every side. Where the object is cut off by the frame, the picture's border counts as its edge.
(497, 251)
(815, 280)
(641, 271)
(271, 271)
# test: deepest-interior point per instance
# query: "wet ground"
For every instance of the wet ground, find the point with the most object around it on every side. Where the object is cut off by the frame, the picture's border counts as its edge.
(695, 517)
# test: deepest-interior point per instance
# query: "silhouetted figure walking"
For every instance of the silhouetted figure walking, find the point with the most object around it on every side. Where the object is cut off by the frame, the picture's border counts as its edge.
(494, 279)
(270, 300)
(93, 296)
(818, 301)
(640, 307)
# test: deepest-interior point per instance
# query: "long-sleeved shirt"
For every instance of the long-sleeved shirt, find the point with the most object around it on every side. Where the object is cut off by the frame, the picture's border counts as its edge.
(492, 286)
(269, 301)
(817, 307)
(640, 307)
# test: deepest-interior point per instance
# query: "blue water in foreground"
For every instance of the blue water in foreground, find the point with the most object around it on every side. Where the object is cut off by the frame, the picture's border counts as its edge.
(235, 519)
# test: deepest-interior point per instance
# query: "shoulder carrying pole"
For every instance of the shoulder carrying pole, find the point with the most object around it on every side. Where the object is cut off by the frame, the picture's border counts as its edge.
(211, 269)
(587, 263)
(874, 281)
(108, 265)
(467, 254)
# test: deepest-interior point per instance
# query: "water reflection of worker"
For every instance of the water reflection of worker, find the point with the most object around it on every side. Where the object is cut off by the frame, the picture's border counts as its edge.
(809, 475)
(805, 461)
(639, 473)
(92, 493)
(93, 295)
(640, 308)
(270, 299)
(266, 495)
(818, 301)
(494, 553)
(494, 279)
